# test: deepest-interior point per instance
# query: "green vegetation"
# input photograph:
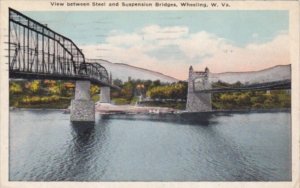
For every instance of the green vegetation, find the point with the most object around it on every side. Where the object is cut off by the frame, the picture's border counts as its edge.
(40, 94)
(58, 94)
(120, 101)
(133, 89)
(250, 99)
(44, 93)
(172, 91)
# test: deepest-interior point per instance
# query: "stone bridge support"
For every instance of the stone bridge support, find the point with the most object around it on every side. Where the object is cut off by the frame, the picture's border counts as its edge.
(198, 102)
(82, 107)
(105, 95)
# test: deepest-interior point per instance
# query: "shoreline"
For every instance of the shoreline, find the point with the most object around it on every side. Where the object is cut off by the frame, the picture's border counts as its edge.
(132, 110)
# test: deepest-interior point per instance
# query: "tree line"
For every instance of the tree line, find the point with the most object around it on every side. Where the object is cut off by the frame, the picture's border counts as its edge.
(43, 93)
(58, 94)
(249, 99)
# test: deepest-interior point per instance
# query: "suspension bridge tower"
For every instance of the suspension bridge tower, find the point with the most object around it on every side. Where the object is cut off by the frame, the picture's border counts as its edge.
(197, 101)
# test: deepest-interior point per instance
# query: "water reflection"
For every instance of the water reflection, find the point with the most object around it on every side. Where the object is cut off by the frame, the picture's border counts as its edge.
(83, 128)
(158, 147)
(84, 150)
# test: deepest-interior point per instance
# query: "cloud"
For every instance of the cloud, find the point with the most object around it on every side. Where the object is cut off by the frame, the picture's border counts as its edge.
(124, 40)
(171, 50)
(201, 44)
(250, 58)
(155, 32)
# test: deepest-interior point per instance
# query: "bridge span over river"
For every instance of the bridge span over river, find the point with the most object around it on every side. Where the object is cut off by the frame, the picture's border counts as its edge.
(37, 52)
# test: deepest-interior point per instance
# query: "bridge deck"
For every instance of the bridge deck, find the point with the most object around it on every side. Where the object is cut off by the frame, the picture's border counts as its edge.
(28, 75)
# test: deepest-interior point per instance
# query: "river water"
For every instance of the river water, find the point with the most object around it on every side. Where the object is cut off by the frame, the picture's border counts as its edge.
(45, 146)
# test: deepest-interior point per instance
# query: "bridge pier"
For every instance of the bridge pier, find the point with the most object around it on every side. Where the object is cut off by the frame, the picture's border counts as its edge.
(105, 95)
(198, 102)
(82, 107)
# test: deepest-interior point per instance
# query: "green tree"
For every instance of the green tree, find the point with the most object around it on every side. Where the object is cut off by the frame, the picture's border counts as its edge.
(173, 91)
(94, 89)
(127, 90)
(34, 86)
(15, 88)
(54, 89)
(243, 100)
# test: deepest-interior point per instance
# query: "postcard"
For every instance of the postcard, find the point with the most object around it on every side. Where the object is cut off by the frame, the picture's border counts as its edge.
(149, 93)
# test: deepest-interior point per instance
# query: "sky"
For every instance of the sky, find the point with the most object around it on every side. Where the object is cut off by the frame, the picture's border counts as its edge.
(170, 41)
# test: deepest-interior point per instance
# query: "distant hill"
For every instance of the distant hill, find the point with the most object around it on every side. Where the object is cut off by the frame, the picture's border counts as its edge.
(123, 71)
(276, 73)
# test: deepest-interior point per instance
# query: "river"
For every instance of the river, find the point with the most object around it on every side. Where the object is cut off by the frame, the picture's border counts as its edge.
(45, 146)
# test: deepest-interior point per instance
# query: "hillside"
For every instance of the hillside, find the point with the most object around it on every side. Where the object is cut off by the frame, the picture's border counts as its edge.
(123, 71)
(279, 72)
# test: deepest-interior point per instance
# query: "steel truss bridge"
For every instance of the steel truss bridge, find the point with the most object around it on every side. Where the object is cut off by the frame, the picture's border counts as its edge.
(276, 85)
(37, 52)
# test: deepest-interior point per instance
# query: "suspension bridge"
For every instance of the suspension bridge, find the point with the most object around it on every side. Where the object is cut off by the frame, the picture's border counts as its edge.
(277, 85)
(200, 85)
(38, 52)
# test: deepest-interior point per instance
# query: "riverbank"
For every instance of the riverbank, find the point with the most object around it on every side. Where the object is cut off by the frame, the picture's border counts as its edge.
(106, 108)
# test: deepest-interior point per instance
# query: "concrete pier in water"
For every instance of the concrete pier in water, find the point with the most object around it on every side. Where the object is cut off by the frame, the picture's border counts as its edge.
(82, 107)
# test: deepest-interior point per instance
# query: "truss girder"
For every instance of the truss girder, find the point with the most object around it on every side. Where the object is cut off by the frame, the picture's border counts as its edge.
(35, 49)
